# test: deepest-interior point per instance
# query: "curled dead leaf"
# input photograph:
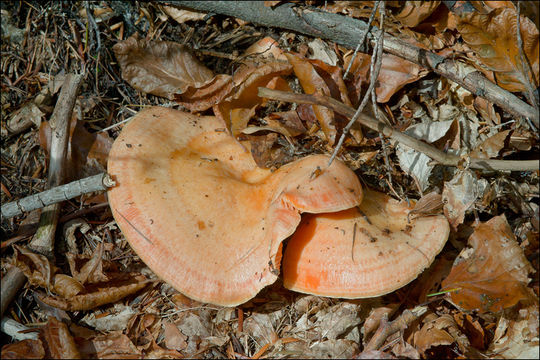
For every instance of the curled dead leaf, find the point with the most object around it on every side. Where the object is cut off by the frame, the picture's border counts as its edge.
(493, 274)
(161, 68)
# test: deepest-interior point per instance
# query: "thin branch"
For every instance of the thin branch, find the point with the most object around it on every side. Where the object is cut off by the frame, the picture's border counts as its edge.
(43, 240)
(57, 194)
(375, 66)
(526, 66)
(363, 37)
(415, 144)
(388, 328)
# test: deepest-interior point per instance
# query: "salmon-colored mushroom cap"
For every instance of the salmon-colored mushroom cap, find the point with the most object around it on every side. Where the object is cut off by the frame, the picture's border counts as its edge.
(366, 251)
(198, 211)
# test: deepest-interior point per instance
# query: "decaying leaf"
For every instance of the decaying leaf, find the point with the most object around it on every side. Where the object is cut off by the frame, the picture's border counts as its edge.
(492, 275)
(490, 147)
(313, 83)
(516, 337)
(413, 12)
(394, 74)
(58, 341)
(243, 101)
(161, 68)
(493, 37)
(418, 164)
(459, 195)
(101, 293)
(25, 349)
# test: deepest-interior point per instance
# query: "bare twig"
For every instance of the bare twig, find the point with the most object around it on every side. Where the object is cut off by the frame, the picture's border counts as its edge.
(57, 194)
(345, 31)
(375, 66)
(43, 241)
(526, 65)
(388, 328)
(415, 144)
(362, 38)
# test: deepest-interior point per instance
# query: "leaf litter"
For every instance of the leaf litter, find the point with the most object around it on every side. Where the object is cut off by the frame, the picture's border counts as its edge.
(98, 300)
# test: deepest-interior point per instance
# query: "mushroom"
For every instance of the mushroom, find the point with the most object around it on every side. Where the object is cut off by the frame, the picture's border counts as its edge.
(195, 207)
(362, 252)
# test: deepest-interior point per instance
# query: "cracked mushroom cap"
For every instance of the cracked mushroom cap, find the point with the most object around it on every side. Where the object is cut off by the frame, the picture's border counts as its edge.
(198, 211)
(366, 251)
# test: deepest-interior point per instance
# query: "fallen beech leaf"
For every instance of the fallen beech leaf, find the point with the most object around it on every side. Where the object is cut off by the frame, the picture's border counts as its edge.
(287, 119)
(25, 349)
(58, 341)
(266, 48)
(493, 275)
(88, 270)
(472, 329)
(95, 295)
(115, 345)
(161, 68)
(459, 195)
(433, 332)
(173, 337)
(181, 15)
(313, 83)
(244, 99)
(516, 335)
(413, 12)
(395, 73)
(418, 164)
(490, 147)
(37, 268)
(493, 37)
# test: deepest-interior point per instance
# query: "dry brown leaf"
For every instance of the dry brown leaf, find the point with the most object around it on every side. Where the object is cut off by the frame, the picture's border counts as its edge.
(99, 294)
(115, 345)
(174, 339)
(37, 268)
(395, 73)
(493, 37)
(490, 147)
(89, 270)
(58, 341)
(204, 97)
(181, 15)
(516, 335)
(162, 68)
(459, 195)
(433, 332)
(313, 83)
(25, 349)
(472, 328)
(414, 12)
(266, 48)
(244, 99)
(492, 275)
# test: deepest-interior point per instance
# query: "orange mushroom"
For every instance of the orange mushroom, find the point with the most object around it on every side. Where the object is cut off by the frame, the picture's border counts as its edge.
(366, 251)
(195, 207)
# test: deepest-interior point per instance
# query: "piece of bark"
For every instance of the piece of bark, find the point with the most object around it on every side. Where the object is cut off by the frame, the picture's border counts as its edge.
(43, 241)
(12, 281)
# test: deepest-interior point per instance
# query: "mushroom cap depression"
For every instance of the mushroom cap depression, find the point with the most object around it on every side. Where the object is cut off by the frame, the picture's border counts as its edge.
(366, 251)
(195, 207)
